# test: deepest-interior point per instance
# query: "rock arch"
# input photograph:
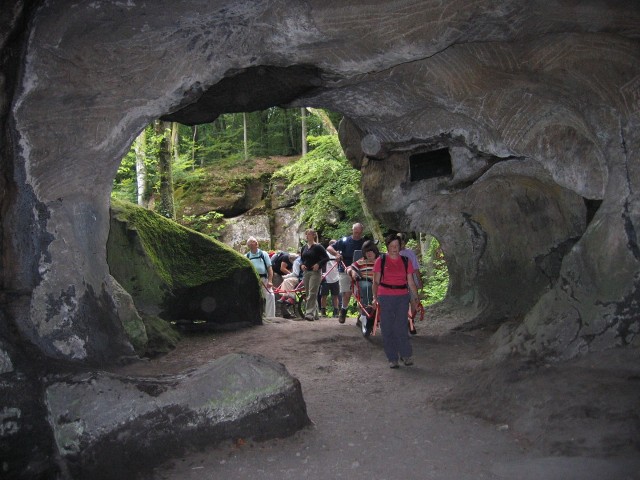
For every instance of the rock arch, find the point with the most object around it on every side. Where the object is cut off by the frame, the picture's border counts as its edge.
(537, 105)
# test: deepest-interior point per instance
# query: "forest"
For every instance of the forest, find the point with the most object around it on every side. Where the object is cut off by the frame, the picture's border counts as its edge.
(169, 164)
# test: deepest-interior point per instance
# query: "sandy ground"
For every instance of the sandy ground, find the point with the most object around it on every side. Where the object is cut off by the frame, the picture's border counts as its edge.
(372, 422)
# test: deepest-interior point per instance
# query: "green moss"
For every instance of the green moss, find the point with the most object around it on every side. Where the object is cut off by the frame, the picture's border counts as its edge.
(180, 256)
(239, 398)
(136, 331)
(162, 337)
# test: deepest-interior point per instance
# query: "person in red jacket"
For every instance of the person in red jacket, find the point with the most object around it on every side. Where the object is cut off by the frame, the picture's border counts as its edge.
(393, 290)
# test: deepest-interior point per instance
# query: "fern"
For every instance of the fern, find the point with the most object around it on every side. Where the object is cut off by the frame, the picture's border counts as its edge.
(330, 187)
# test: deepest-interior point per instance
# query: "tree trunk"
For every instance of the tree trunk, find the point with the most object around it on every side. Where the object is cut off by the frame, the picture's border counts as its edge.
(287, 133)
(166, 207)
(326, 121)
(245, 137)
(293, 146)
(141, 169)
(263, 124)
(194, 139)
(303, 122)
(174, 141)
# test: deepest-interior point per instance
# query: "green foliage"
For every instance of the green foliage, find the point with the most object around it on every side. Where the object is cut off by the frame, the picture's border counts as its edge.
(272, 132)
(210, 223)
(330, 187)
(437, 281)
(220, 141)
(412, 244)
(330, 198)
(125, 187)
(184, 173)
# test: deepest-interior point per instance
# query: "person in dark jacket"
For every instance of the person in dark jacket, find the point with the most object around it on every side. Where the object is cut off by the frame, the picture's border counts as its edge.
(282, 263)
(314, 257)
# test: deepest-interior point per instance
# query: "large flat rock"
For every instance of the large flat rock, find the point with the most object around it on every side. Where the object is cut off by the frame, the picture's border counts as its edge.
(108, 426)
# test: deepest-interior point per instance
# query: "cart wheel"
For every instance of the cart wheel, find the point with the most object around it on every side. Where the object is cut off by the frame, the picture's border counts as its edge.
(300, 307)
(366, 325)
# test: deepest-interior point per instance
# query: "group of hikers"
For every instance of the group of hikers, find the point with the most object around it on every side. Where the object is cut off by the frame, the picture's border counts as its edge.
(387, 283)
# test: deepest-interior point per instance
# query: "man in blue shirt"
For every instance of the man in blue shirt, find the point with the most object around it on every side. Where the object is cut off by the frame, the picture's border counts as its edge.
(262, 263)
(343, 250)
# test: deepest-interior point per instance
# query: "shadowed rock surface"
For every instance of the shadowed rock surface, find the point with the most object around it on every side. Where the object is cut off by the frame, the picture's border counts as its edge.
(110, 426)
(509, 130)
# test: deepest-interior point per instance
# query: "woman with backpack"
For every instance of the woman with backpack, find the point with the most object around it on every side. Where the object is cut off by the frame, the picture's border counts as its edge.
(393, 291)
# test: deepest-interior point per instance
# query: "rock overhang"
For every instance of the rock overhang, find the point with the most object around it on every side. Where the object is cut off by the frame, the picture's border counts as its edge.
(491, 86)
(535, 102)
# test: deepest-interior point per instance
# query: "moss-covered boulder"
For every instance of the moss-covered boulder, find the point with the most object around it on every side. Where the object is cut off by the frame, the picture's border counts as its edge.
(178, 274)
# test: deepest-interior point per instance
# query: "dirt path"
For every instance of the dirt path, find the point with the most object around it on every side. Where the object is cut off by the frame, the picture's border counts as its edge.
(371, 422)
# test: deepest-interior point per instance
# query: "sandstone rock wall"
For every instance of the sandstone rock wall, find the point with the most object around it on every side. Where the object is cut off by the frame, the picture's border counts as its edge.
(274, 221)
(499, 127)
(536, 105)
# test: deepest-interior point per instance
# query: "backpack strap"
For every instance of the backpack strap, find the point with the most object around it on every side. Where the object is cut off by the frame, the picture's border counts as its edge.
(262, 254)
(266, 268)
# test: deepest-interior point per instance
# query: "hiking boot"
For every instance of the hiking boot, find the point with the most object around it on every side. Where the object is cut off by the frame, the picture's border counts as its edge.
(323, 312)
(286, 313)
(309, 318)
(394, 364)
(335, 314)
(407, 361)
(343, 316)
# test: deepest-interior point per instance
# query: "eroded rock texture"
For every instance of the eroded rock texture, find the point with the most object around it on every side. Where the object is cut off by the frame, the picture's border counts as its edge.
(507, 129)
(110, 426)
(532, 109)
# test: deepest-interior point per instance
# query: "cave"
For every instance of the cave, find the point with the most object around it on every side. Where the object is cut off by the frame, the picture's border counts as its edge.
(481, 106)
